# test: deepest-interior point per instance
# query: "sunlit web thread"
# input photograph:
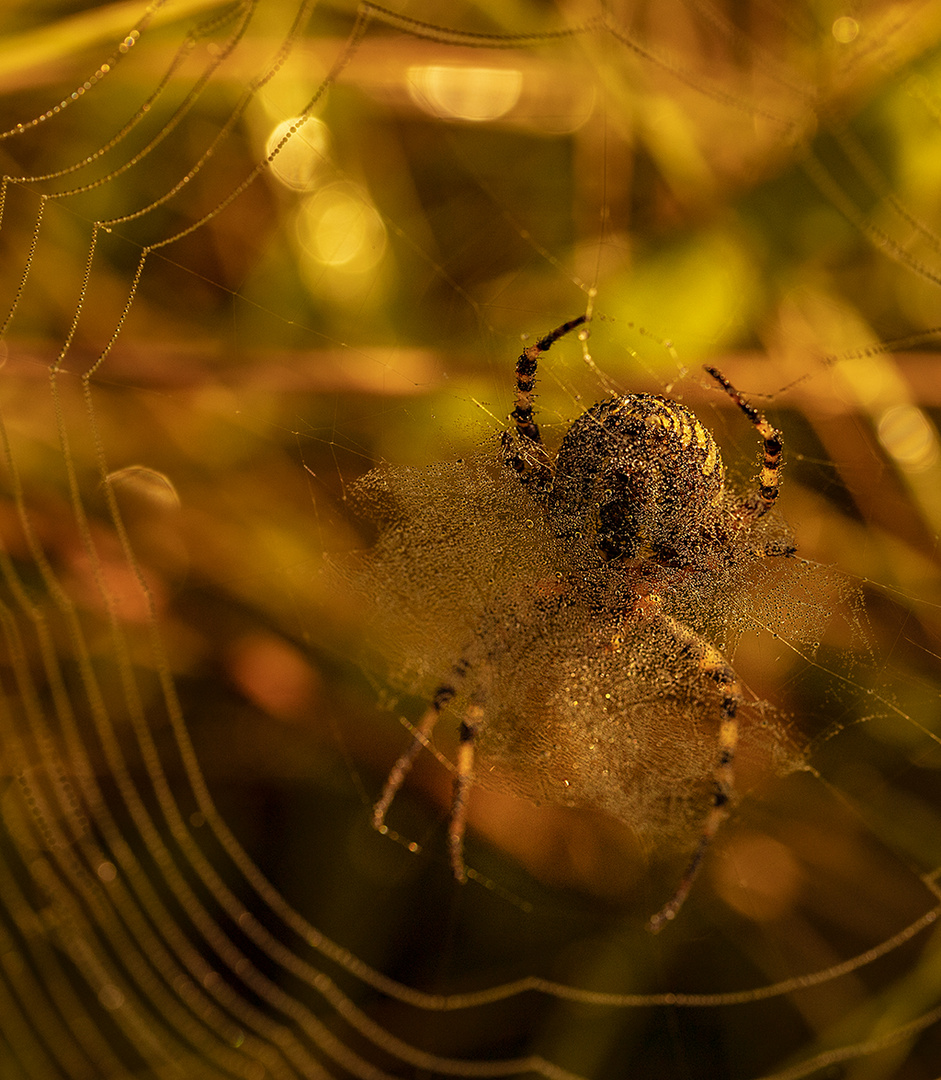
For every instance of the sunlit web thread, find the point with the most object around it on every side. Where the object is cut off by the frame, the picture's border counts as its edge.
(855, 1051)
(449, 36)
(146, 829)
(107, 224)
(135, 282)
(602, 23)
(695, 81)
(324, 1040)
(217, 57)
(31, 994)
(301, 18)
(143, 894)
(828, 186)
(365, 14)
(770, 64)
(125, 46)
(30, 255)
(881, 699)
(878, 183)
(76, 873)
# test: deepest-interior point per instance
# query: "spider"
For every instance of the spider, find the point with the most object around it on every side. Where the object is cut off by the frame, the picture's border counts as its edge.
(636, 494)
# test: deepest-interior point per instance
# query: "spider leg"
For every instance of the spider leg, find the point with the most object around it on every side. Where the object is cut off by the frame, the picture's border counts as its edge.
(442, 696)
(712, 663)
(463, 778)
(772, 449)
(525, 454)
(522, 414)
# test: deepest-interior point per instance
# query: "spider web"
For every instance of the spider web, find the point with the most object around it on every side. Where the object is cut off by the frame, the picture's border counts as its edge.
(251, 251)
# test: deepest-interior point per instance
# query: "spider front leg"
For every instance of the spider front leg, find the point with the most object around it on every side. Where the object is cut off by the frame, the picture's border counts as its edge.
(522, 414)
(525, 453)
(713, 664)
(772, 449)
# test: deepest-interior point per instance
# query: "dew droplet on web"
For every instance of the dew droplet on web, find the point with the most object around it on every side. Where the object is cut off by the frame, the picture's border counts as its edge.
(147, 484)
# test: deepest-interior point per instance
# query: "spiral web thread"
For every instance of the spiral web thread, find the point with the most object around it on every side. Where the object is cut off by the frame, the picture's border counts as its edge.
(137, 935)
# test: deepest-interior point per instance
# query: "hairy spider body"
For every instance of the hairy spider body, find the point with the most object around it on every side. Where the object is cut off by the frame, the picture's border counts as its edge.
(644, 477)
(637, 502)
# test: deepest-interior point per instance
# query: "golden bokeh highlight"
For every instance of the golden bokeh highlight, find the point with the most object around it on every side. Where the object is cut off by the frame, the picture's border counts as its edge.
(476, 94)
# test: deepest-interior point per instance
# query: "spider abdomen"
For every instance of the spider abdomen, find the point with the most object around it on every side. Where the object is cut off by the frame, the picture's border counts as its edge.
(641, 476)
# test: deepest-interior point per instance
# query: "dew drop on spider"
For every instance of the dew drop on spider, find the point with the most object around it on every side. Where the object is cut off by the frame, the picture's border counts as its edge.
(553, 601)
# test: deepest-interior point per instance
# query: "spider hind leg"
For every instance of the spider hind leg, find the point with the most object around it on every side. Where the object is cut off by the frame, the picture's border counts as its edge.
(406, 760)
(463, 779)
(711, 663)
(463, 775)
(442, 697)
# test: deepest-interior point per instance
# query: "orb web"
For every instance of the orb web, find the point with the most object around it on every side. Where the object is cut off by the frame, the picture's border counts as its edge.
(250, 252)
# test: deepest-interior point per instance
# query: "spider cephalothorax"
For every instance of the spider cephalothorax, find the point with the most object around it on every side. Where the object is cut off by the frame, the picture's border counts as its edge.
(636, 506)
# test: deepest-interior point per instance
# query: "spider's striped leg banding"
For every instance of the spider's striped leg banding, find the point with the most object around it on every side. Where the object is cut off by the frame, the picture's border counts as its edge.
(713, 664)
(523, 451)
(463, 778)
(522, 414)
(442, 696)
(772, 448)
